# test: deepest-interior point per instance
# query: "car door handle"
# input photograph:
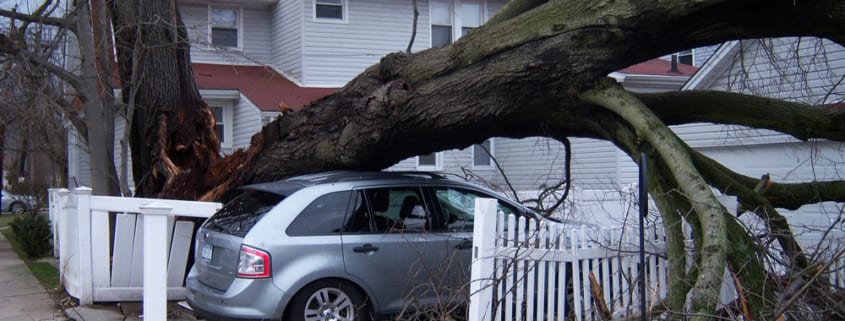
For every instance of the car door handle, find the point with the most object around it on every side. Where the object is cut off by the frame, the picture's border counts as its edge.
(464, 244)
(366, 248)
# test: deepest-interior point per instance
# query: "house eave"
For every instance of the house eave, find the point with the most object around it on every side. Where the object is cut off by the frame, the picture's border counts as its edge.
(649, 81)
(243, 3)
(222, 94)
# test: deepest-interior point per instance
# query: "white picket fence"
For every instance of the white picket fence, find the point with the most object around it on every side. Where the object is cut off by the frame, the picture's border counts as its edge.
(145, 260)
(537, 271)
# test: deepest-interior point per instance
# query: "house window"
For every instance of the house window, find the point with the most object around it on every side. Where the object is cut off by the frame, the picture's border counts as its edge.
(451, 19)
(470, 16)
(686, 57)
(225, 27)
(433, 161)
(330, 9)
(441, 23)
(222, 122)
(482, 154)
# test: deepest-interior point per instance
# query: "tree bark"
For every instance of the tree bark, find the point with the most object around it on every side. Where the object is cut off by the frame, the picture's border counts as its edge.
(172, 129)
(99, 108)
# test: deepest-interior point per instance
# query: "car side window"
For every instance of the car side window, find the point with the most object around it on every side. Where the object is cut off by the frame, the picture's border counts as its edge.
(324, 216)
(458, 207)
(391, 210)
(359, 218)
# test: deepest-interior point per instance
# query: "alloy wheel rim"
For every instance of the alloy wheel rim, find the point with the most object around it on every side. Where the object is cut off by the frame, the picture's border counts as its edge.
(329, 304)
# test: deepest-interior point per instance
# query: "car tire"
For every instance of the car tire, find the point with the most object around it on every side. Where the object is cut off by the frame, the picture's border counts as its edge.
(17, 208)
(329, 300)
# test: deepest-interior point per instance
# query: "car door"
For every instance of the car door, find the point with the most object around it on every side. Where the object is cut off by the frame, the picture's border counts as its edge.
(455, 207)
(389, 248)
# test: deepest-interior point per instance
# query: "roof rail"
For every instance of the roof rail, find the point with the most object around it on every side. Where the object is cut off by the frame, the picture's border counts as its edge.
(420, 173)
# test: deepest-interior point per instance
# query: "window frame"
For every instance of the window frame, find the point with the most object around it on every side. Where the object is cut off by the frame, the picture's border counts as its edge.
(228, 114)
(344, 4)
(684, 53)
(456, 18)
(239, 25)
(438, 163)
(492, 149)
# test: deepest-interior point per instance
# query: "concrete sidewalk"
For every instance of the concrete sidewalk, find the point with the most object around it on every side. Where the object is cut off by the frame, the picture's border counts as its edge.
(21, 296)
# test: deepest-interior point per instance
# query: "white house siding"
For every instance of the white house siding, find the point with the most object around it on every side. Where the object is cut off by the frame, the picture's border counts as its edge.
(246, 121)
(594, 164)
(529, 163)
(335, 52)
(701, 55)
(287, 37)
(257, 35)
(807, 70)
(790, 163)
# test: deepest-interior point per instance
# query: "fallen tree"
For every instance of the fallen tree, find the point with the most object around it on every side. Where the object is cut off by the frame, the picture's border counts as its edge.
(540, 66)
(536, 69)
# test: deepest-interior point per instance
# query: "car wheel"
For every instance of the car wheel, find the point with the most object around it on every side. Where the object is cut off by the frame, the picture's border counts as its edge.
(329, 300)
(17, 208)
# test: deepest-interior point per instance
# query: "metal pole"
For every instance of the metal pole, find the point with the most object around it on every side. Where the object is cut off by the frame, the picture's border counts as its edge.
(643, 212)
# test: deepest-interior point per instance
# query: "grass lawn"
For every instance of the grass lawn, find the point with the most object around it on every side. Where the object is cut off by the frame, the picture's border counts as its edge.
(7, 218)
(45, 272)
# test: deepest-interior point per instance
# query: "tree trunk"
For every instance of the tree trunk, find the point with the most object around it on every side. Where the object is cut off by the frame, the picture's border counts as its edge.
(172, 130)
(99, 108)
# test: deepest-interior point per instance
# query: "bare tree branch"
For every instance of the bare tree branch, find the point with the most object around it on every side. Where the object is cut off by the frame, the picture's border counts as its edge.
(63, 22)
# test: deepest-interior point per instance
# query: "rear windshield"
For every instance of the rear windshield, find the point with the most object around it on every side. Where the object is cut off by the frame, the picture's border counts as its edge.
(240, 214)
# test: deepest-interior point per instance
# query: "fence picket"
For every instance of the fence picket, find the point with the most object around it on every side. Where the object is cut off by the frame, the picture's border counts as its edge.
(510, 268)
(100, 249)
(123, 243)
(531, 268)
(136, 276)
(180, 246)
(605, 282)
(542, 285)
(576, 275)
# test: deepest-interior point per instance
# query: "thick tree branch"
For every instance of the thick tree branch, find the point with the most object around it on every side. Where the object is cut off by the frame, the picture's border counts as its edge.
(708, 210)
(780, 195)
(798, 120)
(724, 179)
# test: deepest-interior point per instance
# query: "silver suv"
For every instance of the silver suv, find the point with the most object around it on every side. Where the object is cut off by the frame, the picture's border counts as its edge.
(338, 246)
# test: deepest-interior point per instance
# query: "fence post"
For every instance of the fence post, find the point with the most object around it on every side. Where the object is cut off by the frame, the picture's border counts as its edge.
(56, 199)
(61, 244)
(155, 260)
(483, 248)
(83, 234)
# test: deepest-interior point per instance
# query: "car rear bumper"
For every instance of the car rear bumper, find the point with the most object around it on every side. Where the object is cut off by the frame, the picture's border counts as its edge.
(245, 299)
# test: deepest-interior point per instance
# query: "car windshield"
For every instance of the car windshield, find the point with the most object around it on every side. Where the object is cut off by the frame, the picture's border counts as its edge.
(240, 214)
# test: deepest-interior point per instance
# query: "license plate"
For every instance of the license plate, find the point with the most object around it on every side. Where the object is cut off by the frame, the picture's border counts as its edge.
(206, 253)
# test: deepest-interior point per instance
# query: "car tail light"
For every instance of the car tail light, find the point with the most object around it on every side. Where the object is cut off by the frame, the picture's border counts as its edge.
(253, 263)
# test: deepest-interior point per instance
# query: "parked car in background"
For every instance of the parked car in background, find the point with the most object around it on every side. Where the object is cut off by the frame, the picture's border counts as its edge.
(16, 204)
(338, 245)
